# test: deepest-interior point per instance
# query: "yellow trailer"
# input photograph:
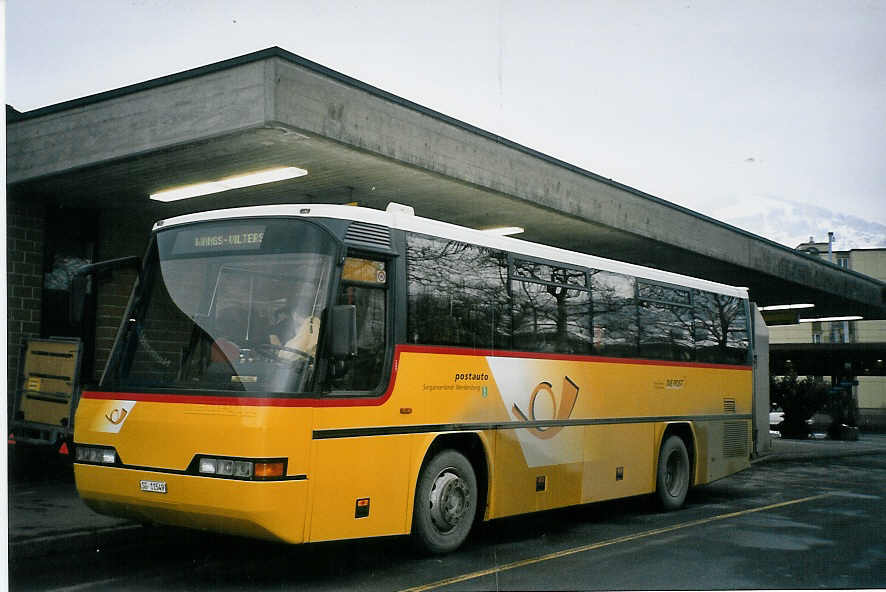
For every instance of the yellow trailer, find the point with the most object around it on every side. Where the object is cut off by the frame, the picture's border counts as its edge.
(48, 391)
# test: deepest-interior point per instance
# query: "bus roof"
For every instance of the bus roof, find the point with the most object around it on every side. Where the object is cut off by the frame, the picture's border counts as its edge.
(401, 218)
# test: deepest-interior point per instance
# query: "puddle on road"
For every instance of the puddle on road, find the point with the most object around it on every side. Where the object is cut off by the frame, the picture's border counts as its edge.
(768, 532)
(773, 541)
(849, 494)
(776, 521)
(848, 513)
(871, 558)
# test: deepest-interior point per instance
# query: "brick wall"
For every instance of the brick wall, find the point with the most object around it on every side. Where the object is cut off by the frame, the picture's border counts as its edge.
(24, 280)
(123, 233)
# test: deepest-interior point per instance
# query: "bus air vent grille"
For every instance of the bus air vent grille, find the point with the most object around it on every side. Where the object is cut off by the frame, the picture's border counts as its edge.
(728, 405)
(735, 438)
(368, 235)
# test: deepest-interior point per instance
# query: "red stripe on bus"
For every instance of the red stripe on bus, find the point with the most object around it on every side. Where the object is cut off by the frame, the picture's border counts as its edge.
(344, 401)
(284, 401)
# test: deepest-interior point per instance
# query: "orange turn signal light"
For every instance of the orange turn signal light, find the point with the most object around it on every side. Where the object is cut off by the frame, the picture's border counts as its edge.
(268, 469)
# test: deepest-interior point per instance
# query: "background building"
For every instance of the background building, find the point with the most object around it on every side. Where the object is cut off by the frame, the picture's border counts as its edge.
(869, 334)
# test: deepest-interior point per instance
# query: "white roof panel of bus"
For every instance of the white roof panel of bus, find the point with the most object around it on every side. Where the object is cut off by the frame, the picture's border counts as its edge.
(409, 222)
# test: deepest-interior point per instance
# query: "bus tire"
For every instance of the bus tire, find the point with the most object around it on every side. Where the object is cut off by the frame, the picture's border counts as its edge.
(445, 503)
(674, 472)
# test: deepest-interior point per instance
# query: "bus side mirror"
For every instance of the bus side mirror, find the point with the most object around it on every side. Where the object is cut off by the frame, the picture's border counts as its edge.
(343, 331)
(79, 286)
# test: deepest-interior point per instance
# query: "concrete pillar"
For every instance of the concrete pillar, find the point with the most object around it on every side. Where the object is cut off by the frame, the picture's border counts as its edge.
(762, 442)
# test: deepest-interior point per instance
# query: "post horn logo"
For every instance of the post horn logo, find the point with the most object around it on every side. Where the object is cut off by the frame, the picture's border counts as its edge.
(116, 416)
(563, 410)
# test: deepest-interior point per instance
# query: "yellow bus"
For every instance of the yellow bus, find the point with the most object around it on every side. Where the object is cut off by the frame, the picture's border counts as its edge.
(316, 372)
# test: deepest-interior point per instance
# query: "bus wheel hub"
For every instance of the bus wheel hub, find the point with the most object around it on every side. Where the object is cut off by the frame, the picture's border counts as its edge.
(450, 500)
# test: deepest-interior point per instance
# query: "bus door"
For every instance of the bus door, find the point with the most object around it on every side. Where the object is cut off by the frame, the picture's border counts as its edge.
(361, 469)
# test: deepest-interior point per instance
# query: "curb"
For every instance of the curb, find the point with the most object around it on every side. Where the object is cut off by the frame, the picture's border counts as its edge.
(805, 456)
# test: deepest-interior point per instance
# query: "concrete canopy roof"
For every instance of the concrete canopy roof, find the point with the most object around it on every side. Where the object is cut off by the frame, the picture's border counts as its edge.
(360, 143)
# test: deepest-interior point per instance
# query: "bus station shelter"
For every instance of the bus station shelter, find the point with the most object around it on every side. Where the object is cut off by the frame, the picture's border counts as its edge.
(80, 173)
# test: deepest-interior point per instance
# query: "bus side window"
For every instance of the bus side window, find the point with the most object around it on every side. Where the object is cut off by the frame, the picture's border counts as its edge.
(614, 314)
(550, 318)
(364, 284)
(665, 322)
(457, 294)
(721, 328)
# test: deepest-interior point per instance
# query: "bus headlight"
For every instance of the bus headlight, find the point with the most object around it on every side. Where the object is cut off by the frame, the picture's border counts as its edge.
(237, 468)
(96, 454)
(226, 467)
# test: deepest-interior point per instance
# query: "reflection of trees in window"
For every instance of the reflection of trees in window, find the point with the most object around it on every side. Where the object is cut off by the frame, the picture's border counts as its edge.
(665, 321)
(457, 294)
(663, 294)
(614, 314)
(721, 328)
(548, 274)
(550, 315)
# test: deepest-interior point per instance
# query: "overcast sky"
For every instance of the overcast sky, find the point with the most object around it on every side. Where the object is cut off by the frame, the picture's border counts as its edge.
(767, 115)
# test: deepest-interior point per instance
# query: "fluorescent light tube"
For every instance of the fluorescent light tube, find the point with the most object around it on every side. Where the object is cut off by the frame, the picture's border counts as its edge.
(504, 230)
(786, 306)
(228, 183)
(825, 319)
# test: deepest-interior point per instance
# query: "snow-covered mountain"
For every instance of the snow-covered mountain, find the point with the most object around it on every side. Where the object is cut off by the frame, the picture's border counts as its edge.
(792, 223)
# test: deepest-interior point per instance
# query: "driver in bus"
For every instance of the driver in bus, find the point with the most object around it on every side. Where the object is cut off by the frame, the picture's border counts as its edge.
(295, 332)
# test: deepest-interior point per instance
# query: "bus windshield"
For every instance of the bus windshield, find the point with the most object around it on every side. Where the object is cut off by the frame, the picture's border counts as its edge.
(227, 306)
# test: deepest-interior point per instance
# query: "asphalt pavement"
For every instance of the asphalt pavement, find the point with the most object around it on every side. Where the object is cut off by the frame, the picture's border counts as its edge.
(47, 516)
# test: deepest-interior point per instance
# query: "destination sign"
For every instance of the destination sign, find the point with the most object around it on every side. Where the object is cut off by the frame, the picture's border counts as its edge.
(216, 238)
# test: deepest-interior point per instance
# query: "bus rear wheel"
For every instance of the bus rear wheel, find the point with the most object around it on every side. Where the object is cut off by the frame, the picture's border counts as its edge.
(445, 503)
(673, 478)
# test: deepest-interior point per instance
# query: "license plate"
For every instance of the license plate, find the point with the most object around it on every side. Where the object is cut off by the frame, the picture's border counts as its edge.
(153, 486)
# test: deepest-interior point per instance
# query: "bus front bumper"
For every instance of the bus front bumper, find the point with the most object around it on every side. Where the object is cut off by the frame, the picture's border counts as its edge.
(272, 510)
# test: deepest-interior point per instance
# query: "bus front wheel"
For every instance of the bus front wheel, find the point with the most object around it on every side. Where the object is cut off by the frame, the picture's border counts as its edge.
(673, 473)
(445, 503)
